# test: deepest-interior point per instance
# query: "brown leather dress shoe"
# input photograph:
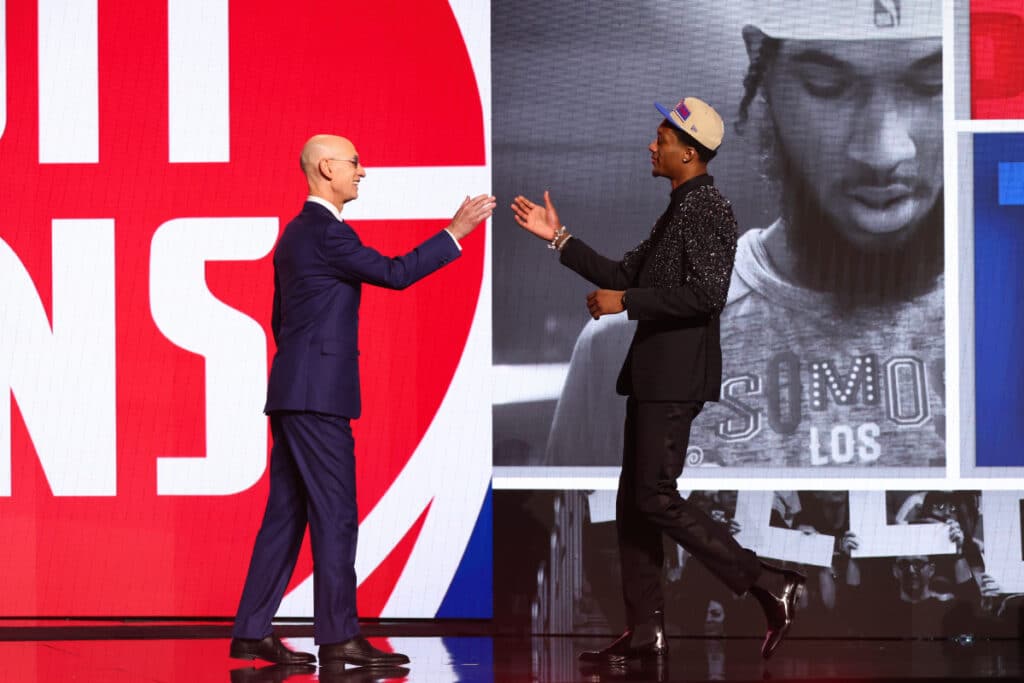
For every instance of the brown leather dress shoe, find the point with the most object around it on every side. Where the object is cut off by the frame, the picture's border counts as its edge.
(780, 615)
(358, 652)
(270, 648)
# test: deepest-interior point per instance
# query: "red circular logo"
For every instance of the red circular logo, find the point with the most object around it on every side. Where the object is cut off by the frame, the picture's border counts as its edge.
(150, 160)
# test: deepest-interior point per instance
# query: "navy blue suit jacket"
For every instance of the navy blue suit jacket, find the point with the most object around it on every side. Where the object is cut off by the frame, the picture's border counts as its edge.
(320, 266)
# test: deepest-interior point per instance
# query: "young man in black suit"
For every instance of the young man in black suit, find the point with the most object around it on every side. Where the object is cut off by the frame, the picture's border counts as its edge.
(675, 285)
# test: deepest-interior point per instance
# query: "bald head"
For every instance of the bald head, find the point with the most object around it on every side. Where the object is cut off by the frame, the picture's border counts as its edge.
(323, 147)
(332, 169)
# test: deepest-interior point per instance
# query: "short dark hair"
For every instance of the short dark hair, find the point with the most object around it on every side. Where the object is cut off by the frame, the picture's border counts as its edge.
(685, 138)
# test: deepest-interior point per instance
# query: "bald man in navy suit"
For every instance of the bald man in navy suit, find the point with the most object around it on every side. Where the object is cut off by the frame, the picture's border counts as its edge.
(320, 265)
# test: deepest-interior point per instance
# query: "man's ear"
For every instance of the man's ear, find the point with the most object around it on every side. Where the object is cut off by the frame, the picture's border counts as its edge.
(324, 166)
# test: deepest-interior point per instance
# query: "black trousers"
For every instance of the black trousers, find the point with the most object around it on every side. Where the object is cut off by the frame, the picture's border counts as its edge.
(648, 504)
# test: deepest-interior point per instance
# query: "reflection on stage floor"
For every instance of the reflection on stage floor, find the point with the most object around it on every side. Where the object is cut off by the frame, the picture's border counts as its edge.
(137, 656)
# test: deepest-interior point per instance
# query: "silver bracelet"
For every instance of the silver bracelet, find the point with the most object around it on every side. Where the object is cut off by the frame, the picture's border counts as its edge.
(553, 244)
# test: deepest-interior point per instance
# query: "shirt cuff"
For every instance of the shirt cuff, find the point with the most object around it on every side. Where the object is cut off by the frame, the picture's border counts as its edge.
(453, 238)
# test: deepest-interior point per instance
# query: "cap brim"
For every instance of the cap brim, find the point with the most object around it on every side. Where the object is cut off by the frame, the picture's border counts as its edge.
(667, 113)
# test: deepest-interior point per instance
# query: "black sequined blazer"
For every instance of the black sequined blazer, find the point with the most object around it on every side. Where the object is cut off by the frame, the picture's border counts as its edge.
(676, 283)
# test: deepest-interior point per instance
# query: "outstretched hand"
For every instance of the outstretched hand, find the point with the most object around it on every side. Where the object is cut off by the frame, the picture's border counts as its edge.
(471, 213)
(542, 221)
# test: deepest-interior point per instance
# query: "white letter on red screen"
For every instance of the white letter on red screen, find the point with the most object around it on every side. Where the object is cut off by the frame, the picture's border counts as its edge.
(64, 378)
(233, 344)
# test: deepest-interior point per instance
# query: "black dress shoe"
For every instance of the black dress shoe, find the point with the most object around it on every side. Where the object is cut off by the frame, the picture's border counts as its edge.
(270, 648)
(781, 613)
(359, 652)
(643, 642)
(275, 673)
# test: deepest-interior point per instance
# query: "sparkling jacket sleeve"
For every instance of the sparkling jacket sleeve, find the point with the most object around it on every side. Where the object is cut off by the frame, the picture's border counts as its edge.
(601, 270)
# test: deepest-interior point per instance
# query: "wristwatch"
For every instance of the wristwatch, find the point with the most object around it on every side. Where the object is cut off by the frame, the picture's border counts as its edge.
(623, 301)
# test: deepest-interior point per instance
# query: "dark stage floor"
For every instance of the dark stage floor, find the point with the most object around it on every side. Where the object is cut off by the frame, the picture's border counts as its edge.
(111, 652)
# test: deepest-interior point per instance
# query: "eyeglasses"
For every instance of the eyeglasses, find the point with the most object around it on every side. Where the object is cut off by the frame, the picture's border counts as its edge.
(354, 160)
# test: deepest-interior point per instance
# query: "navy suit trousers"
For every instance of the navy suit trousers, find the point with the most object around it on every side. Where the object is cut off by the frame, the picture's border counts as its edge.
(312, 479)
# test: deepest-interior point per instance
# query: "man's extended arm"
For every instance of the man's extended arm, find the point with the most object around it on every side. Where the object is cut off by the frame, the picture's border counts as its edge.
(352, 260)
(600, 270)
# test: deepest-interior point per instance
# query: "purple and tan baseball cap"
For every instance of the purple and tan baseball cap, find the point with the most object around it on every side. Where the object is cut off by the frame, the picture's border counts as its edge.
(696, 118)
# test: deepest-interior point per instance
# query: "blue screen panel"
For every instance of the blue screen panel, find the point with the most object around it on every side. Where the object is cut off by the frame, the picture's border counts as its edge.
(999, 298)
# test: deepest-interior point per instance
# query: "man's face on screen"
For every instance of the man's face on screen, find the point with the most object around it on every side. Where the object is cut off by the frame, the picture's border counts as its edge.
(914, 573)
(860, 124)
